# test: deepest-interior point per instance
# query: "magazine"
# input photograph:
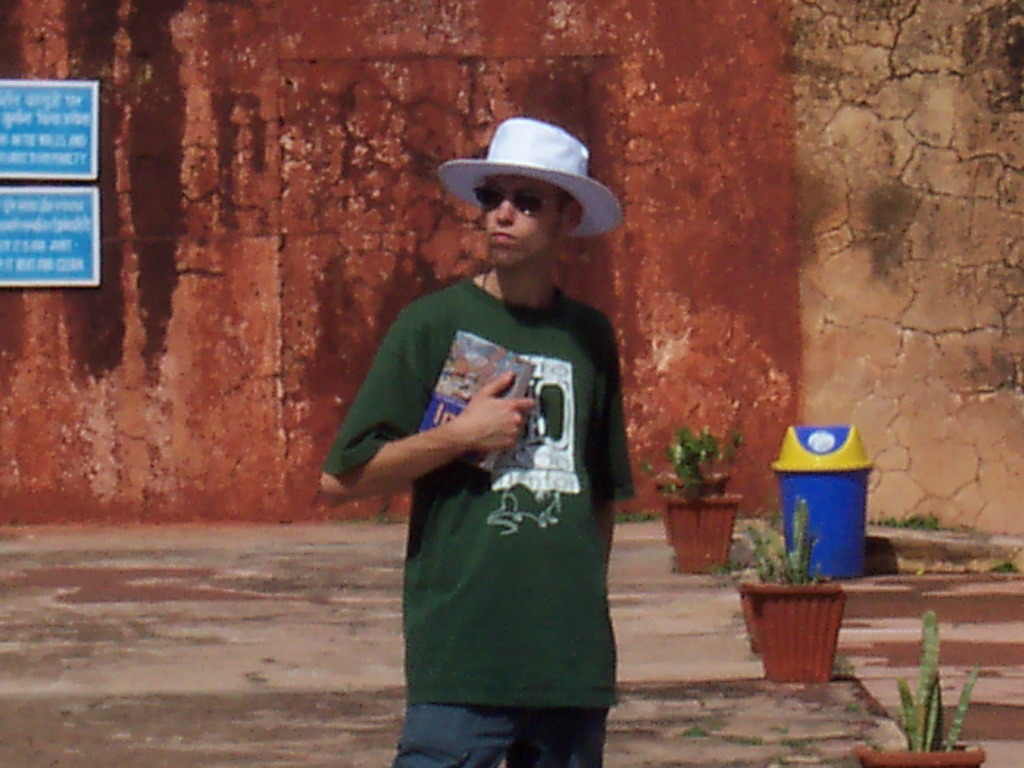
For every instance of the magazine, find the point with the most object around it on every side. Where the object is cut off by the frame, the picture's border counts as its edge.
(472, 362)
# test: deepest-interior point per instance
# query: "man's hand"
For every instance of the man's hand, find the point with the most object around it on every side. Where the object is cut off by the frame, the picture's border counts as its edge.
(492, 422)
(489, 423)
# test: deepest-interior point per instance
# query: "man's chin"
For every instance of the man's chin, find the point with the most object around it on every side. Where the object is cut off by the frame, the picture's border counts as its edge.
(501, 256)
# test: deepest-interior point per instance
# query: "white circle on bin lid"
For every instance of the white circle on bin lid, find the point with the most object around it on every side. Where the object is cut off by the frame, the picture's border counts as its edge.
(821, 441)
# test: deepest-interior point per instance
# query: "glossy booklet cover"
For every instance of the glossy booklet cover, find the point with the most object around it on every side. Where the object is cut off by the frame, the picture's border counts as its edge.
(472, 362)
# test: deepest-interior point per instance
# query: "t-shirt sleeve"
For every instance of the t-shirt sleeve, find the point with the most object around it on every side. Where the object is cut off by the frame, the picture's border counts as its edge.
(613, 477)
(391, 401)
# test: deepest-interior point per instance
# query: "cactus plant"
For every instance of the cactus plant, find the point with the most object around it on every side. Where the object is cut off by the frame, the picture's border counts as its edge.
(921, 711)
(797, 562)
(786, 565)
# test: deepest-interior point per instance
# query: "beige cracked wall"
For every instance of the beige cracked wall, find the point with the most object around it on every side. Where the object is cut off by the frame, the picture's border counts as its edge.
(911, 167)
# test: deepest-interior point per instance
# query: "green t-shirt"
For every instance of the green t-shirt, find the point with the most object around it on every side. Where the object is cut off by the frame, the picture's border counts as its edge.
(505, 596)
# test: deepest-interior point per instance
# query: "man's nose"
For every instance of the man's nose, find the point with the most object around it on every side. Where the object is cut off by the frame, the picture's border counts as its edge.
(505, 211)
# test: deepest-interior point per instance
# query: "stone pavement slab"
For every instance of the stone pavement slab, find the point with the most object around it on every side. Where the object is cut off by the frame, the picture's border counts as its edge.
(280, 646)
(743, 723)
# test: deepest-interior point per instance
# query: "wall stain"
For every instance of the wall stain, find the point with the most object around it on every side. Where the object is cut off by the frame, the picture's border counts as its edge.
(556, 90)
(231, 111)
(12, 333)
(155, 145)
(95, 317)
(994, 50)
(224, 104)
(992, 371)
(816, 203)
(427, 141)
(12, 63)
(891, 209)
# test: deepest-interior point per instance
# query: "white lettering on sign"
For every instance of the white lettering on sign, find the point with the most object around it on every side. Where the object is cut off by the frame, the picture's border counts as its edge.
(49, 236)
(42, 98)
(16, 118)
(70, 265)
(48, 129)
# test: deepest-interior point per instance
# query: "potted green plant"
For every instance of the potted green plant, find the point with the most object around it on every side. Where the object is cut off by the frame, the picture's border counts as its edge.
(793, 617)
(921, 716)
(699, 515)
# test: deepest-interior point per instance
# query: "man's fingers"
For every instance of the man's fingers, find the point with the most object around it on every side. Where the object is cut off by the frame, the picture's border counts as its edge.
(523, 404)
(497, 385)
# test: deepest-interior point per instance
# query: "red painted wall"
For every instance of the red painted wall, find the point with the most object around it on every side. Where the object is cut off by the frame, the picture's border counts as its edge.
(270, 202)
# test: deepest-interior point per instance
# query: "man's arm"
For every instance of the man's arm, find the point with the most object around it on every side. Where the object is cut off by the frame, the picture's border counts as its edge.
(395, 465)
(489, 423)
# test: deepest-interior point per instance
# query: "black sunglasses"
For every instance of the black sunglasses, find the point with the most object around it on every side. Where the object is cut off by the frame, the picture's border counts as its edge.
(525, 201)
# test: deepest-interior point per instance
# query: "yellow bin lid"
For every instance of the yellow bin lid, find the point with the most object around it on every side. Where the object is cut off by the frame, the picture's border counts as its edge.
(822, 449)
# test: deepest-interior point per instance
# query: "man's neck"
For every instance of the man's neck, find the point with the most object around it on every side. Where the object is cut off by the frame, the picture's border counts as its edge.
(533, 289)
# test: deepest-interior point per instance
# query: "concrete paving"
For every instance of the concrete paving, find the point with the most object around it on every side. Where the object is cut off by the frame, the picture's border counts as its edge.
(280, 646)
(981, 618)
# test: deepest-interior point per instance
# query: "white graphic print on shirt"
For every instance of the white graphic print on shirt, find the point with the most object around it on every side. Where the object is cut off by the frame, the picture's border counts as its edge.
(544, 459)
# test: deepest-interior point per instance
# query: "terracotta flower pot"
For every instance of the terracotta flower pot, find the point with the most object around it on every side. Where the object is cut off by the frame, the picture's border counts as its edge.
(700, 531)
(795, 628)
(958, 758)
(747, 604)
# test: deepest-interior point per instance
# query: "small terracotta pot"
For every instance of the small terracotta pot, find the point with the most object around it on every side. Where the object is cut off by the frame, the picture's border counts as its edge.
(958, 758)
(700, 531)
(747, 604)
(795, 628)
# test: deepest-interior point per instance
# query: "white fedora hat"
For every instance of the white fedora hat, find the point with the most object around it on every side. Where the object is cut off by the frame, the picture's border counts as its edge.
(522, 146)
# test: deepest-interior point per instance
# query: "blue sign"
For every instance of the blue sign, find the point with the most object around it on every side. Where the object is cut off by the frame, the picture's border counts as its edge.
(49, 129)
(49, 236)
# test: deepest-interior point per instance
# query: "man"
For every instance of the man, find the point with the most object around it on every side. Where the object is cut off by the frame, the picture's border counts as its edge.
(509, 648)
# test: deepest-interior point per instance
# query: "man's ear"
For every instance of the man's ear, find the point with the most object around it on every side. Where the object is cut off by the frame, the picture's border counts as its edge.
(572, 214)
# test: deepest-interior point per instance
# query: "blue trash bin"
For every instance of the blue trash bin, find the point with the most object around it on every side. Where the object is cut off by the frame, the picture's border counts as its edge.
(828, 468)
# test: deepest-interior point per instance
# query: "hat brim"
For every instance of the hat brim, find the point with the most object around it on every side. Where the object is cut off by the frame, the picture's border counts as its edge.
(601, 210)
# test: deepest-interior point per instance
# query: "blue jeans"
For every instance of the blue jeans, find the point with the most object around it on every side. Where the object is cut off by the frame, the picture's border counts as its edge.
(456, 736)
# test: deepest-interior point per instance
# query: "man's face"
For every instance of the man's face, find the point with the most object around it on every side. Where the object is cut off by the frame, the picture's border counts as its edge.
(525, 219)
